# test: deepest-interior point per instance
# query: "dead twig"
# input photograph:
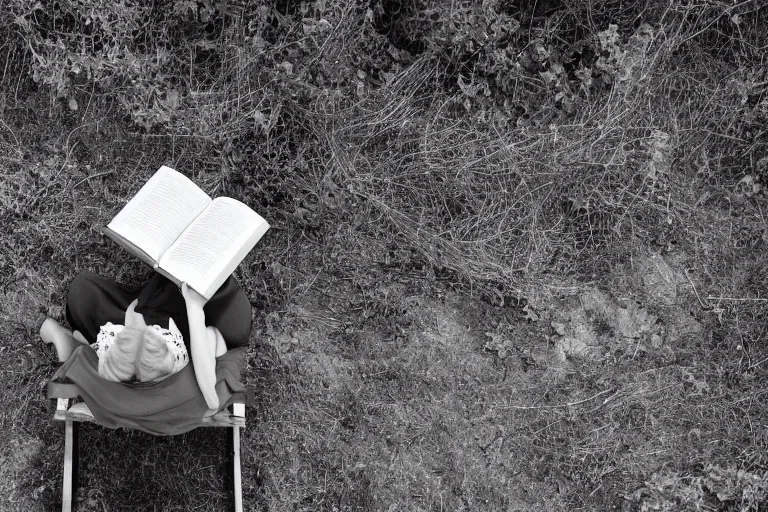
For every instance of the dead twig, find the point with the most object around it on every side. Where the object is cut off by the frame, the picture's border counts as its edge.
(569, 404)
(92, 176)
(706, 307)
(736, 299)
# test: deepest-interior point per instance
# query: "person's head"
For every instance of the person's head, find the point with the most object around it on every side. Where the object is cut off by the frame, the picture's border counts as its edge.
(137, 351)
(118, 364)
(153, 360)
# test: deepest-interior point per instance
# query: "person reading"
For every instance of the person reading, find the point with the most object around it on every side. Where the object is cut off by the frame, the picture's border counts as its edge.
(144, 337)
(132, 330)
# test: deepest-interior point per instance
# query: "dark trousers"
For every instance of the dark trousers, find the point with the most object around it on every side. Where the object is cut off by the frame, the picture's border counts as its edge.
(94, 300)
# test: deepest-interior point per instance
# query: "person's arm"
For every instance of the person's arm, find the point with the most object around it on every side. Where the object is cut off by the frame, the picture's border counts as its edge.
(203, 351)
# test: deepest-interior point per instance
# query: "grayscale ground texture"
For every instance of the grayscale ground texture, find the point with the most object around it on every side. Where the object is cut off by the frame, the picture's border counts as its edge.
(517, 259)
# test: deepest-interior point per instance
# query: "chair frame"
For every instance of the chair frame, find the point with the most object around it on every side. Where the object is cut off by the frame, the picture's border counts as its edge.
(73, 412)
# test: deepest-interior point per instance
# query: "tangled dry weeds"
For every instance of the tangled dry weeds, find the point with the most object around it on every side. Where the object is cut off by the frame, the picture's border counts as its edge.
(517, 260)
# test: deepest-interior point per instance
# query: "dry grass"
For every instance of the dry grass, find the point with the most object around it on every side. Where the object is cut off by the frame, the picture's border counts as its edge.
(439, 217)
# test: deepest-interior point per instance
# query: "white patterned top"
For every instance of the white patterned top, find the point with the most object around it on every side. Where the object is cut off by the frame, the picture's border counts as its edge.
(173, 339)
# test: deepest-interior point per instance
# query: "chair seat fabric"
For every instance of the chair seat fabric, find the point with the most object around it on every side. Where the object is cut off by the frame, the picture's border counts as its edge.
(169, 407)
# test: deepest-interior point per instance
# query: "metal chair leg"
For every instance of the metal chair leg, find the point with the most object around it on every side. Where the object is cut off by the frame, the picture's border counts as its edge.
(233, 442)
(236, 475)
(70, 465)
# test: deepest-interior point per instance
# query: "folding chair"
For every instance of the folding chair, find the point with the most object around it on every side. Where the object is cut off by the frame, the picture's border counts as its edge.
(71, 412)
(71, 409)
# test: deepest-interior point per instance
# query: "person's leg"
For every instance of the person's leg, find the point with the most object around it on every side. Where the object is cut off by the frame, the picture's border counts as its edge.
(229, 310)
(94, 300)
(159, 300)
(63, 340)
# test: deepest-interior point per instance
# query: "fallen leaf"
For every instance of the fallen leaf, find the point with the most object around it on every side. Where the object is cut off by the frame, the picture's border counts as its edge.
(530, 314)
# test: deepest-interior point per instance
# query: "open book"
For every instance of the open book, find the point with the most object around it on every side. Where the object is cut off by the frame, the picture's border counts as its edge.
(185, 235)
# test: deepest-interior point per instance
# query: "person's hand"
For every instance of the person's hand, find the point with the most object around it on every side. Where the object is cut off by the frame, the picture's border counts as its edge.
(192, 298)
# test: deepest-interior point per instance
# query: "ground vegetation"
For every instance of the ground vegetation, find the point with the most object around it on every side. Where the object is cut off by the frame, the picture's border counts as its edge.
(517, 259)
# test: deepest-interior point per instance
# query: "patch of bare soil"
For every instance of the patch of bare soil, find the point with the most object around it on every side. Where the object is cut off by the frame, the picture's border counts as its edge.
(422, 398)
(596, 325)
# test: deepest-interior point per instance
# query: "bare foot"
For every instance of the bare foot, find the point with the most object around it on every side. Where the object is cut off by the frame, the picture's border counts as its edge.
(50, 330)
(61, 338)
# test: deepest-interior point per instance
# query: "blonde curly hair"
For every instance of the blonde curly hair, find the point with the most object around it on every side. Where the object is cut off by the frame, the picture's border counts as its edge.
(139, 352)
(153, 361)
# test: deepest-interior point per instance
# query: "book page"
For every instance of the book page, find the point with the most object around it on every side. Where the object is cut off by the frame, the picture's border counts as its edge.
(160, 211)
(214, 244)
